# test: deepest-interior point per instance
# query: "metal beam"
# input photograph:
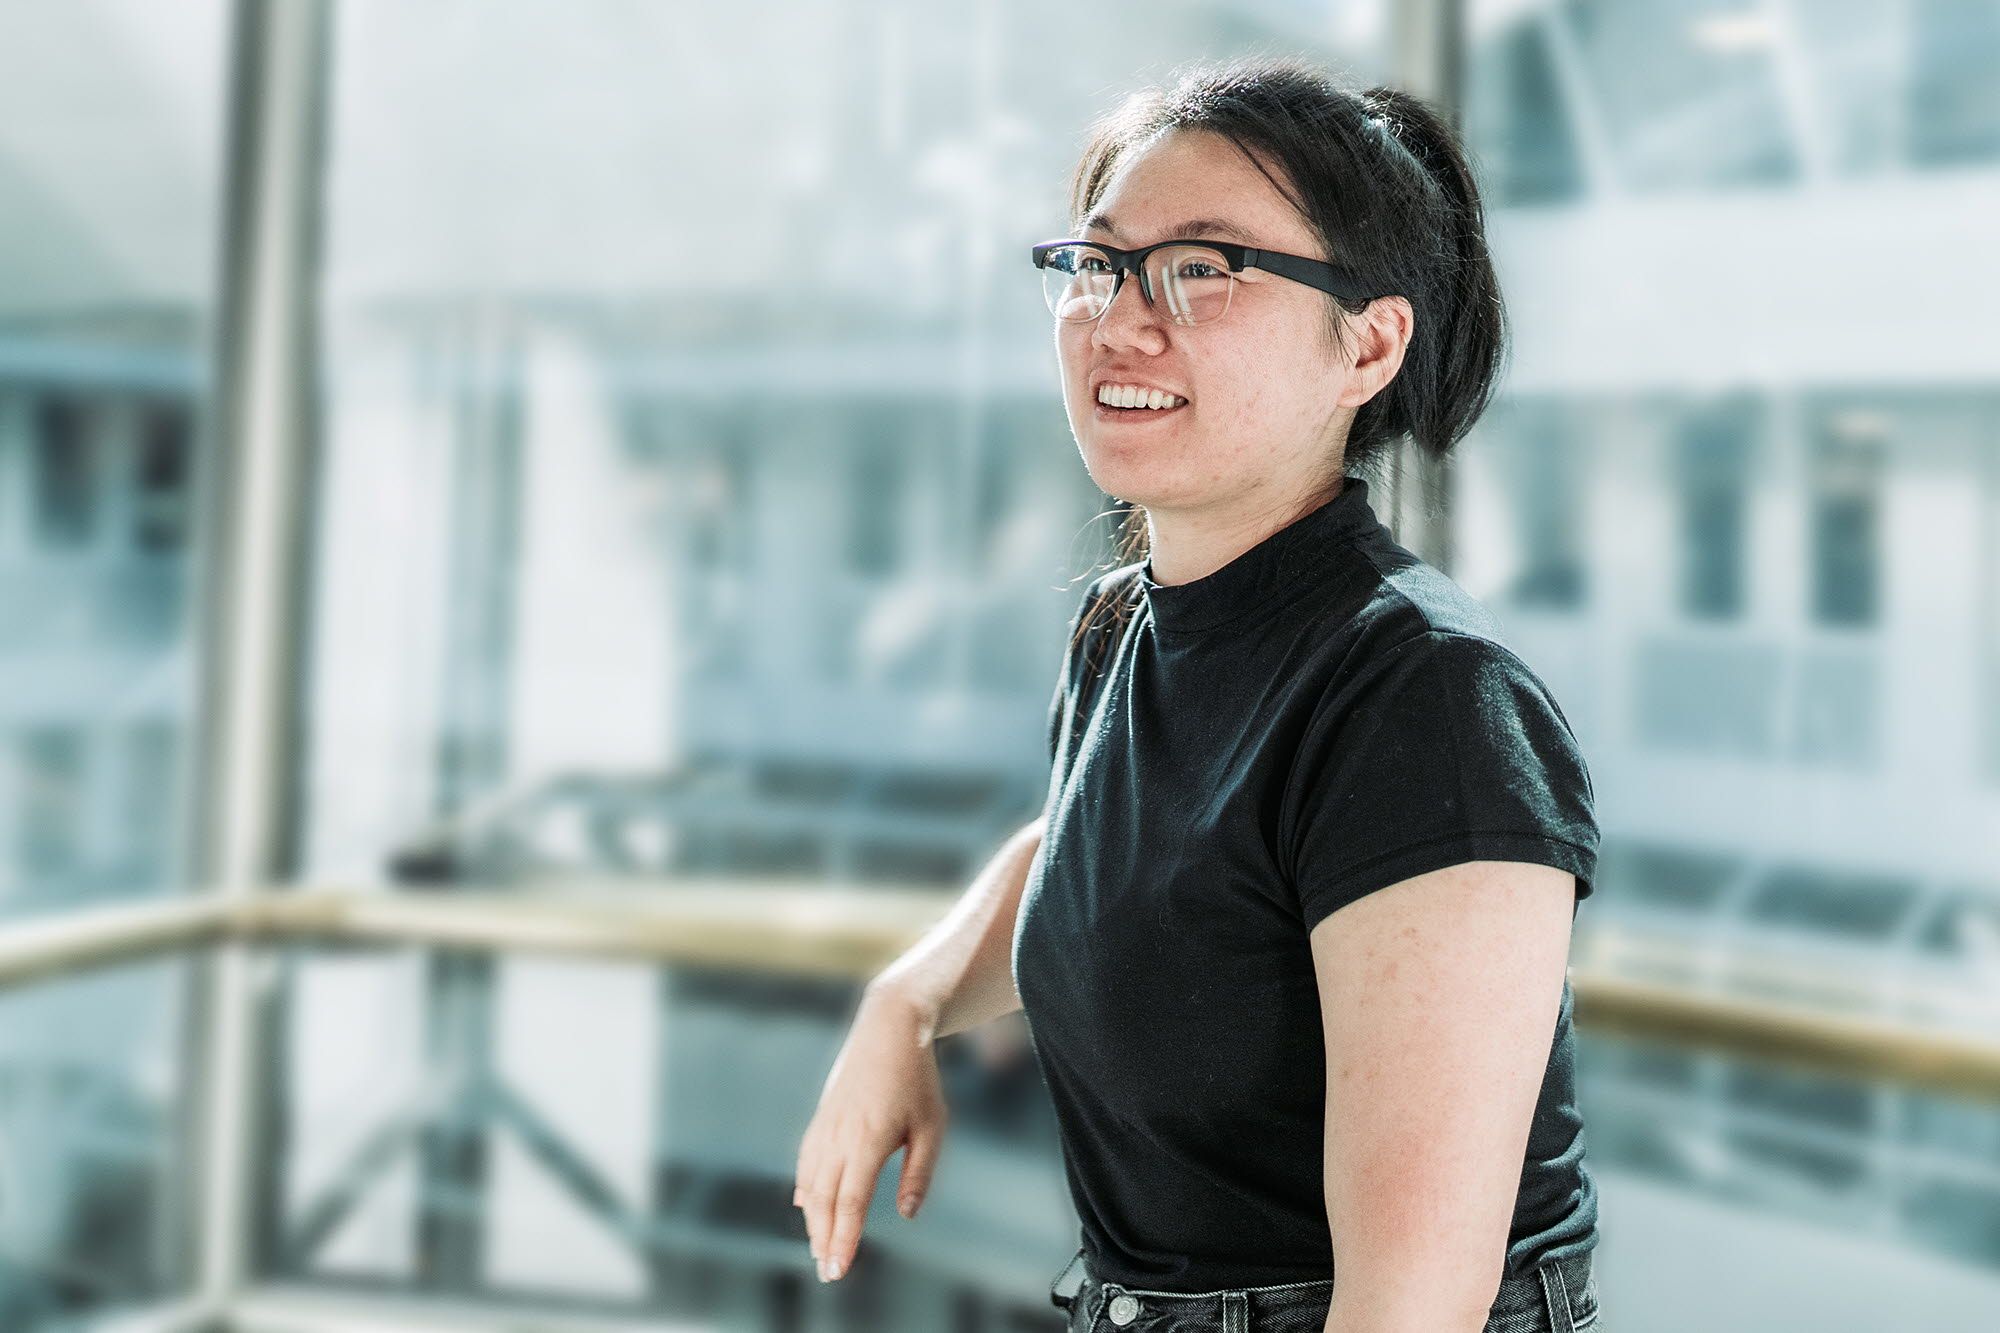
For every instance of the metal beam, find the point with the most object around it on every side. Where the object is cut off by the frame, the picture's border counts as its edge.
(249, 560)
(1429, 58)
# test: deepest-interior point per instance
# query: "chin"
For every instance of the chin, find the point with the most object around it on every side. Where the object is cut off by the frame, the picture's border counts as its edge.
(1133, 478)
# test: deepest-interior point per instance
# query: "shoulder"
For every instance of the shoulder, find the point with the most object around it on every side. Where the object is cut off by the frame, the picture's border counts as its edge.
(1408, 597)
(1414, 648)
(1392, 617)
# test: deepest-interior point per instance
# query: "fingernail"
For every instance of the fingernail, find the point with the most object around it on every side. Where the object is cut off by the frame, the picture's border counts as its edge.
(822, 1269)
(907, 1207)
(834, 1270)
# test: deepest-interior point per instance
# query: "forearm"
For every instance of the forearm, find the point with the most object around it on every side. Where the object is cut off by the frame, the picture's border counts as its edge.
(961, 974)
(1397, 1272)
(1407, 1289)
(1356, 1317)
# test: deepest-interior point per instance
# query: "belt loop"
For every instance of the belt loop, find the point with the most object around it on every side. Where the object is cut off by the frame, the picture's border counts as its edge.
(1063, 1302)
(1555, 1291)
(1235, 1312)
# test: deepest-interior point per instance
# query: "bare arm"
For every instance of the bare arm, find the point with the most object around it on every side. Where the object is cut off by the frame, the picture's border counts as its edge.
(883, 1090)
(961, 973)
(1440, 996)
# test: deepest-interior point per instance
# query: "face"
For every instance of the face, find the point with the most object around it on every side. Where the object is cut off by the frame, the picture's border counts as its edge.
(1268, 405)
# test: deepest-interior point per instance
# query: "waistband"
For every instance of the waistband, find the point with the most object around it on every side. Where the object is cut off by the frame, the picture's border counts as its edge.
(1221, 1301)
(1559, 1291)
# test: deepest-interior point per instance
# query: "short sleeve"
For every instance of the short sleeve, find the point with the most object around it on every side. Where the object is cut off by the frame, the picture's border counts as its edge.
(1448, 749)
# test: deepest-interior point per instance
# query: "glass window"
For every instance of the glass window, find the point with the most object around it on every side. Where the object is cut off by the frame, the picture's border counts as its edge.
(1519, 123)
(759, 552)
(1833, 902)
(1965, 926)
(110, 151)
(1652, 874)
(1987, 599)
(161, 502)
(876, 475)
(1713, 479)
(1551, 519)
(1954, 99)
(1845, 500)
(1767, 497)
(1687, 94)
(53, 789)
(66, 474)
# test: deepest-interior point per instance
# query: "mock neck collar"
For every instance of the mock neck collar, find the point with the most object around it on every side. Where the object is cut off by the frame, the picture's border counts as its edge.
(1271, 568)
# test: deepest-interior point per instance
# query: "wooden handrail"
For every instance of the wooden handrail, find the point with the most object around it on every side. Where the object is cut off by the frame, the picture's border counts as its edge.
(805, 928)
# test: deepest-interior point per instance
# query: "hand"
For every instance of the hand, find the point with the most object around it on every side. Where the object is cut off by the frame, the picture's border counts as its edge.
(882, 1094)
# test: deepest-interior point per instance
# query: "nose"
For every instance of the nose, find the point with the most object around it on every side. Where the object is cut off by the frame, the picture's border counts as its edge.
(1137, 321)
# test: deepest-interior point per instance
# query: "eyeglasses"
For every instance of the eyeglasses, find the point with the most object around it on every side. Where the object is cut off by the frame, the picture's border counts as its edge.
(1193, 279)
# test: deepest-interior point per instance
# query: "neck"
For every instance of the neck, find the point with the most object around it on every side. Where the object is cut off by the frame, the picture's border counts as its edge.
(1185, 545)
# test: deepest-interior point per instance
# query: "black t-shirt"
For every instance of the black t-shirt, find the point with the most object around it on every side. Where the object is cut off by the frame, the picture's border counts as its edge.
(1322, 717)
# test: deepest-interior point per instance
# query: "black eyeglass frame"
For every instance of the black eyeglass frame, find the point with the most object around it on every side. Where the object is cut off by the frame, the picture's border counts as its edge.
(1329, 278)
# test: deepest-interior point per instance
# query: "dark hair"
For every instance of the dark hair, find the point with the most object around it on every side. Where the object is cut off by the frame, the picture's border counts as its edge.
(1381, 178)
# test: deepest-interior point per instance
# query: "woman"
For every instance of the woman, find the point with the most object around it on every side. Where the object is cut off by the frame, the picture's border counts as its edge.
(1291, 934)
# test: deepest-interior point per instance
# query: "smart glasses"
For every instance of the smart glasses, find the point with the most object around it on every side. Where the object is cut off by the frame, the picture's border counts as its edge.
(1191, 281)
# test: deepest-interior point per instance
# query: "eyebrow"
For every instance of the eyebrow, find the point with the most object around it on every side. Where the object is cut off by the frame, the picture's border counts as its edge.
(1192, 229)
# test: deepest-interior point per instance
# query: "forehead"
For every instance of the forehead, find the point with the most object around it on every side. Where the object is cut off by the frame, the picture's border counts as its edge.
(1184, 175)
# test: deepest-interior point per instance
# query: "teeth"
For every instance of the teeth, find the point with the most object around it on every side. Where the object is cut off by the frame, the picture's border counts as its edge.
(1128, 395)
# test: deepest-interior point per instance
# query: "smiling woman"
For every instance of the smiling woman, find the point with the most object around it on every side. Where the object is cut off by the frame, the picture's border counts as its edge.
(1308, 814)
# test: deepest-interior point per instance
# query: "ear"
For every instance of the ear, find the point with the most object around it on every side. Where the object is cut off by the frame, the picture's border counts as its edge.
(1381, 333)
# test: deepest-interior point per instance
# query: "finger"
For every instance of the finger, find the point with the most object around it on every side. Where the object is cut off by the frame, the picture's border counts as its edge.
(811, 1154)
(919, 1164)
(850, 1209)
(820, 1206)
(802, 1178)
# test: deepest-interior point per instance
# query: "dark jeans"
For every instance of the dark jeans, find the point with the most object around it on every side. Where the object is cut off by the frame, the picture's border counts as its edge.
(1558, 1297)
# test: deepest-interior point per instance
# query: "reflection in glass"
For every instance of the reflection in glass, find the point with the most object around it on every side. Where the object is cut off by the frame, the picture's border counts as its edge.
(110, 129)
(1787, 666)
(658, 571)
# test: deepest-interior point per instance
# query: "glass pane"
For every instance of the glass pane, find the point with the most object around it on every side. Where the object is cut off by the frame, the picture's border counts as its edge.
(1686, 95)
(109, 129)
(1765, 562)
(110, 152)
(696, 501)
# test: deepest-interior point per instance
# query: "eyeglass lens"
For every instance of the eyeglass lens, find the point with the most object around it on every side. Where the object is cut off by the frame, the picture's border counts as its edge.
(1191, 283)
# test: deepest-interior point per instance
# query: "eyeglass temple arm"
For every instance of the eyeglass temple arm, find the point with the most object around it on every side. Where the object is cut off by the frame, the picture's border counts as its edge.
(1313, 272)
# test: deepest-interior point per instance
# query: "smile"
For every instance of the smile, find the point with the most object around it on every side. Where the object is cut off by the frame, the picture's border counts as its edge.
(1137, 415)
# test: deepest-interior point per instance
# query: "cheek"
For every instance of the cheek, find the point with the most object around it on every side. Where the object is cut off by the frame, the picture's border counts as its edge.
(1073, 354)
(1287, 380)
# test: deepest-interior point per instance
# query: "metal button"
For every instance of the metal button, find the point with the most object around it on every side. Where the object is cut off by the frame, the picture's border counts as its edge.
(1124, 1309)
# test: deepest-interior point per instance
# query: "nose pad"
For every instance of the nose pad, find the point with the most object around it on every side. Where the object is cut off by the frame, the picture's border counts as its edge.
(1126, 278)
(1148, 313)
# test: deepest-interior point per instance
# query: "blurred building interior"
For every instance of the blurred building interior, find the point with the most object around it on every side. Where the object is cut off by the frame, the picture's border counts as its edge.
(460, 456)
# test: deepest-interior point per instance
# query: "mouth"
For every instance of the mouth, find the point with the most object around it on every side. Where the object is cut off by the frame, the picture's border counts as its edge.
(1135, 415)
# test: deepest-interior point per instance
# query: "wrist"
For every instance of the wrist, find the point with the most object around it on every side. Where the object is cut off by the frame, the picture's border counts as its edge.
(893, 999)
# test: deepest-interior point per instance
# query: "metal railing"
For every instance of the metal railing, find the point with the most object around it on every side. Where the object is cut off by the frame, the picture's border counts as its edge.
(803, 928)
